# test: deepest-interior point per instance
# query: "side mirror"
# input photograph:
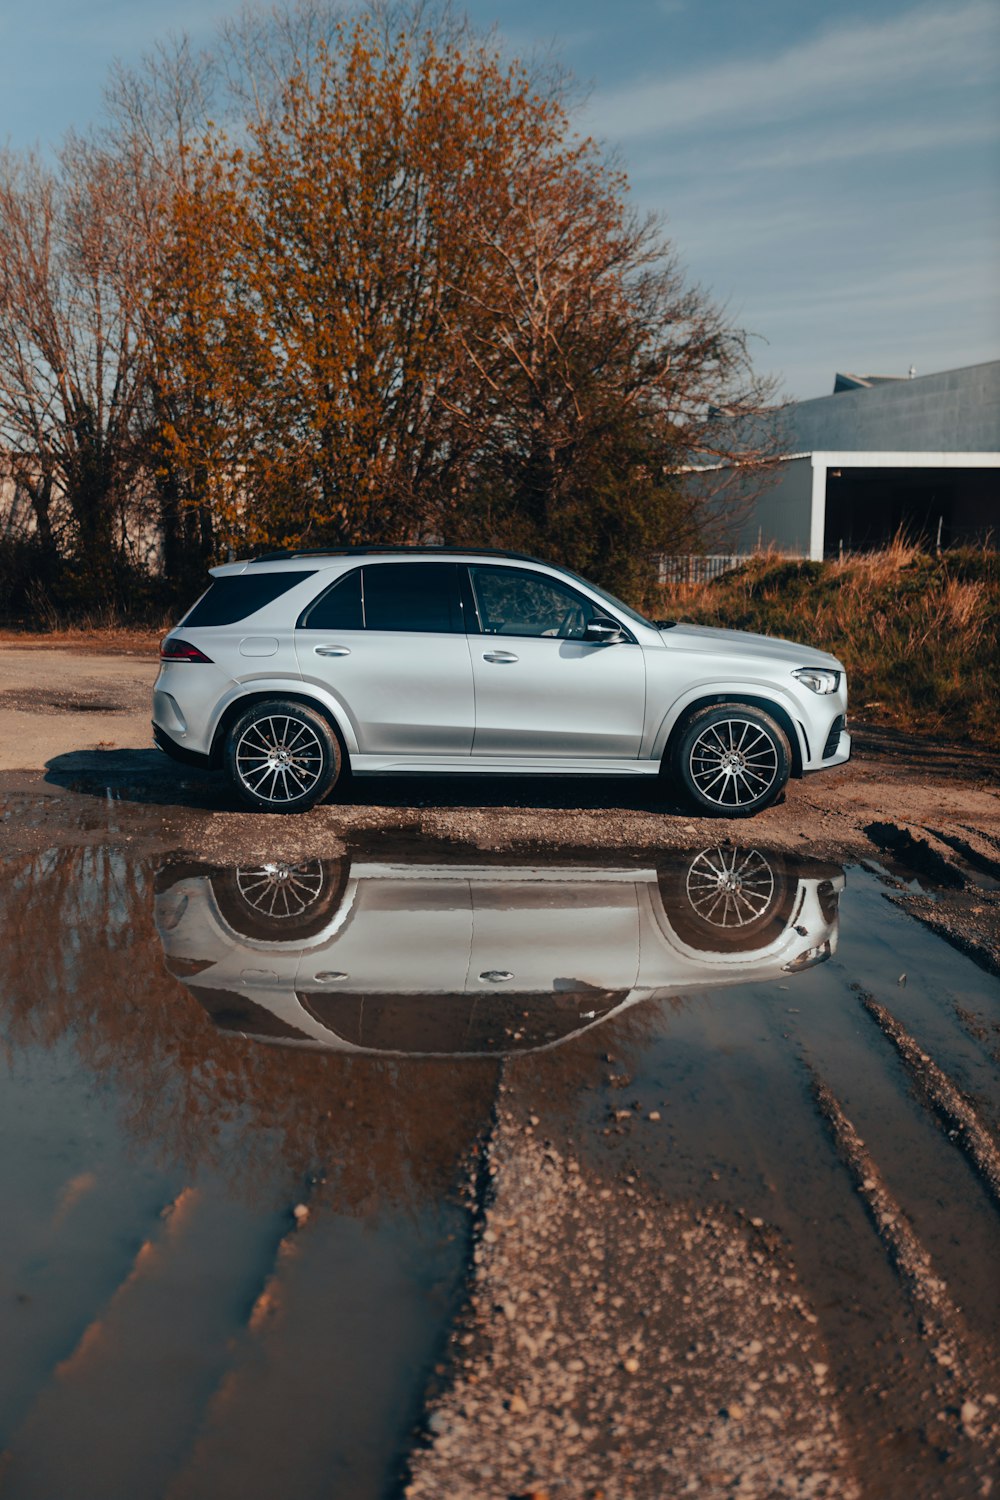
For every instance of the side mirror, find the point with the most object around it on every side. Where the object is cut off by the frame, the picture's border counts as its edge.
(602, 632)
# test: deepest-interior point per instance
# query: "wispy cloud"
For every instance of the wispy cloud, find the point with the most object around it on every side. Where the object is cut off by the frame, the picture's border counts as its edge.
(116, 27)
(936, 318)
(845, 65)
(854, 297)
(888, 139)
(811, 148)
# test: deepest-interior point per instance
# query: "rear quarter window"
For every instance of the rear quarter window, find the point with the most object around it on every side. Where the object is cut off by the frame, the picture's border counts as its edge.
(338, 608)
(231, 599)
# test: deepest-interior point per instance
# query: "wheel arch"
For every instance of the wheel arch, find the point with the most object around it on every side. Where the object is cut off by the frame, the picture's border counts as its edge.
(794, 732)
(240, 704)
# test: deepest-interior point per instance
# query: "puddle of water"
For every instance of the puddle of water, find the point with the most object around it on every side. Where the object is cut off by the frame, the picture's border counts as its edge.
(244, 1108)
(168, 1320)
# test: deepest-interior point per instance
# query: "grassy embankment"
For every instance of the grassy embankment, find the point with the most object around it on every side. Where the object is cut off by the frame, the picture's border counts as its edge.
(918, 634)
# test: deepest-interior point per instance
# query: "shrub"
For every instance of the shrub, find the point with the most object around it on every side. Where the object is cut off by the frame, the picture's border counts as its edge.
(40, 590)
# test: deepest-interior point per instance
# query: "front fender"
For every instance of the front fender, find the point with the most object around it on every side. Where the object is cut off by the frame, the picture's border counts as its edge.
(712, 690)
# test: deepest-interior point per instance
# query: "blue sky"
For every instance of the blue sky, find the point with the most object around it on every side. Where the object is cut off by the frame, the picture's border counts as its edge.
(831, 173)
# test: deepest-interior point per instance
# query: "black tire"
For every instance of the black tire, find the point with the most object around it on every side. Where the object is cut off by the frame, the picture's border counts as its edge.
(279, 902)
(729, 899)
(731, 760)
(282, 756)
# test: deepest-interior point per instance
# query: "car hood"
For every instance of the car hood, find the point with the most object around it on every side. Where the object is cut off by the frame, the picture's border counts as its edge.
(741, 642)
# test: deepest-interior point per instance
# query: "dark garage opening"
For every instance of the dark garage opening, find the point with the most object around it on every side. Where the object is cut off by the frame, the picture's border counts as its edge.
(865, 508)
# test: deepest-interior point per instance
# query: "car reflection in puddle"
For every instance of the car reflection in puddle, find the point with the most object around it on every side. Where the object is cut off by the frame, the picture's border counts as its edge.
(449, 960)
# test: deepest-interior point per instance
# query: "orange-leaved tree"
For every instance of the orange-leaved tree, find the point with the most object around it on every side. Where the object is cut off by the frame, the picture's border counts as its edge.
(317, 286)
(405, 301)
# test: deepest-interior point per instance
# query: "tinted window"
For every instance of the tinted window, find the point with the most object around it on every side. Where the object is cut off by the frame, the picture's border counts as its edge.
(232, 599)
(512, 602)
(615, 602)
(458, 1023)
(413, 597)
(339, 608)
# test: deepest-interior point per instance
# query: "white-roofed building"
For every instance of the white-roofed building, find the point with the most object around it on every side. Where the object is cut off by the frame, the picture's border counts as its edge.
(879, 455)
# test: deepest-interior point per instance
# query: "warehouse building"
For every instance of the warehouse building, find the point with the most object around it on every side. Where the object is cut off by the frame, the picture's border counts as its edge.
(880, 454)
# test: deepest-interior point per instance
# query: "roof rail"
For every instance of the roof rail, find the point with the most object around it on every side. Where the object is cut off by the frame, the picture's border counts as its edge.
(367, 549)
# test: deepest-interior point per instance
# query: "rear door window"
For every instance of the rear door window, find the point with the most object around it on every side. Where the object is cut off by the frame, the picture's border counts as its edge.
(234, 598)
(414, 597)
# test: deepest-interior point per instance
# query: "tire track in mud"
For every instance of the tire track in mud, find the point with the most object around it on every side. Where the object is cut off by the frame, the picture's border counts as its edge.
(962, 868)
(265, 1310)
(966, 1383)
(964, 1126)
(615, 1344)
(59, 1405)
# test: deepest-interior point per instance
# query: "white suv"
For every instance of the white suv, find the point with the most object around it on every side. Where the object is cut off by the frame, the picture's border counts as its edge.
(294, 666)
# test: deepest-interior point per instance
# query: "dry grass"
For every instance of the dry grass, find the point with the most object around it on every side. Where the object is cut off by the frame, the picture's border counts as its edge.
(918, 634)
(117, 640)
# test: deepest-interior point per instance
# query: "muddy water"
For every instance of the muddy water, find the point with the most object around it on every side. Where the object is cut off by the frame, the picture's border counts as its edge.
(256, 1119)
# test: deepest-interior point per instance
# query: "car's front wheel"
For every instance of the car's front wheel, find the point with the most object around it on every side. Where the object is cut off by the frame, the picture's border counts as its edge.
(731, 760)
(282, 756)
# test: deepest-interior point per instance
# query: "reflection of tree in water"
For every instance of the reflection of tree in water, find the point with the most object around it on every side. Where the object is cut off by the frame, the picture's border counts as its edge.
(83, 962)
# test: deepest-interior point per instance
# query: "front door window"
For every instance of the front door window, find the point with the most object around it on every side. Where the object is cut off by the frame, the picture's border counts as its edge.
(512, 602)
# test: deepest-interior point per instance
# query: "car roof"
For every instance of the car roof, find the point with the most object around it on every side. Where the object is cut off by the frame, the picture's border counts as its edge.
(289, 559)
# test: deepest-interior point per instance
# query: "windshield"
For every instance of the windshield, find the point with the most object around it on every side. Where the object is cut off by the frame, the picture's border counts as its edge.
(625, 609)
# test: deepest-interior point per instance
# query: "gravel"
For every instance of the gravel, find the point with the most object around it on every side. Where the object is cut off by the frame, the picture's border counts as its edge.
(617, 1345)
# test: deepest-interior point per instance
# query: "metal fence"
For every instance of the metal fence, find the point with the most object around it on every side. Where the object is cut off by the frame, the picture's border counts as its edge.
(698, 569)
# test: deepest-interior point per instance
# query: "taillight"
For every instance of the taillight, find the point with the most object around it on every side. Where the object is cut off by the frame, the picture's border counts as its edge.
(172, 649)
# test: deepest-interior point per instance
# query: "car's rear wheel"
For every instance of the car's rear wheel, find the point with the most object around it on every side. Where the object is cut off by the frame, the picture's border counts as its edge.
(732, 760)
(282, 756)
(280, 902)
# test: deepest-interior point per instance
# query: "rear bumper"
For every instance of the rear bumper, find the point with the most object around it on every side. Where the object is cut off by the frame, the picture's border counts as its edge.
(179, 752)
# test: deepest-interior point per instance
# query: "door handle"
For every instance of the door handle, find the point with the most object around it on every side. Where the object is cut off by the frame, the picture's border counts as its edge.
(333, 650)
(495, 976)
(499, 656)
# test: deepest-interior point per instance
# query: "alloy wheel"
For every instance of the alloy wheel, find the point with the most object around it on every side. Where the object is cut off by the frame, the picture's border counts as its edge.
(279, 758)
(733, 763)
(280, 890)
(730, 888)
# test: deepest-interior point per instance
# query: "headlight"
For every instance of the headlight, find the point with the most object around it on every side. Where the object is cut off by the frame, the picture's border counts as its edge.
(819, 679)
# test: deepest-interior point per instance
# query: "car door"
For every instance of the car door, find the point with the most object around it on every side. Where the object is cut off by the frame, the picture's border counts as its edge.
(542, 690)
(394, 977)
(552, 931)
(388, 640)
(552, 952)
